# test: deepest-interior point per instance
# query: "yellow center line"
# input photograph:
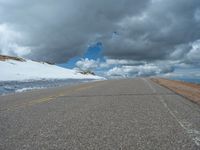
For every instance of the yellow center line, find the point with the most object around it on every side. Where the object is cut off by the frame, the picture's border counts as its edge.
(47, 99)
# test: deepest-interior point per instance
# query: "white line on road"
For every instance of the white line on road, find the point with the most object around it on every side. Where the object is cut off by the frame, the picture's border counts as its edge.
(151, 87)
(193, 133)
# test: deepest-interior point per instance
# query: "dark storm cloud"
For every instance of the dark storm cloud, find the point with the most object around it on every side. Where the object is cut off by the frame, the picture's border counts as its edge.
(58, 30)
(129, 29)
(156, 33)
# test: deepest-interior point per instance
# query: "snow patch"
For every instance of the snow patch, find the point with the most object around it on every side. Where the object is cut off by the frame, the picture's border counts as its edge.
(12, 70)
(27, 89)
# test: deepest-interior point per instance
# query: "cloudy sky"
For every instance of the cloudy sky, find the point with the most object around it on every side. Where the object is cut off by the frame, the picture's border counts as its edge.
(115, 38)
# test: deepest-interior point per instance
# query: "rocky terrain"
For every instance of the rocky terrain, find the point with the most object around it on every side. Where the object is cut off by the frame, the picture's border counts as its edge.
(4, 58)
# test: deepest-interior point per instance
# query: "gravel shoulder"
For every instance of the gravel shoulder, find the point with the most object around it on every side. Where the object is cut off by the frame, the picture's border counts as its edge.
(189, 90)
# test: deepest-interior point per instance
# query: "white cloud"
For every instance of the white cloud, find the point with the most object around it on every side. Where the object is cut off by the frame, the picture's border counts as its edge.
(9, 42)
(121, 62)
(184, 72)
(194, 54)
(114, 68)
(141, 70)
(87, 64)
(187, 54)
(113, 62)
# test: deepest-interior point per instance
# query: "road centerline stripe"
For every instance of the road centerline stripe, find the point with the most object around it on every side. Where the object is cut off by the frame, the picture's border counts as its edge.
(46, 99)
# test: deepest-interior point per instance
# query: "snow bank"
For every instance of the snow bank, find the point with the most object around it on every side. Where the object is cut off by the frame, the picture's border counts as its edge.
(12, 70)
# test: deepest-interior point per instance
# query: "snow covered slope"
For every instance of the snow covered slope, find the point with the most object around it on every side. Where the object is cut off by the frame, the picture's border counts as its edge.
(14, 70)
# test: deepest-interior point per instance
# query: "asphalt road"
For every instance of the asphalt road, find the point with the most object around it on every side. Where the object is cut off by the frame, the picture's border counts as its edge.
(118, 114)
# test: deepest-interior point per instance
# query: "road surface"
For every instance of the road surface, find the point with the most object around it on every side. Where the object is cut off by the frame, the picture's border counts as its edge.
(117, 114)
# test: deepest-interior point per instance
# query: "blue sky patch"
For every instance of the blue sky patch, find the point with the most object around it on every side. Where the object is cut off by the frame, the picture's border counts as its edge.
(93, 52)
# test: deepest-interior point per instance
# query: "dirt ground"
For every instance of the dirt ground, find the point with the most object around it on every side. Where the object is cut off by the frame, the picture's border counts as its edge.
(188, 90)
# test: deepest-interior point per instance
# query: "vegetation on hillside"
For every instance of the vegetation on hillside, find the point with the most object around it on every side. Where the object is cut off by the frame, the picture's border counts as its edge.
(87, 72)
(4, 58)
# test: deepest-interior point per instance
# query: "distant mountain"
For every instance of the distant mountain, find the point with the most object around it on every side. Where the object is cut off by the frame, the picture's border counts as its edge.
(19, 69)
